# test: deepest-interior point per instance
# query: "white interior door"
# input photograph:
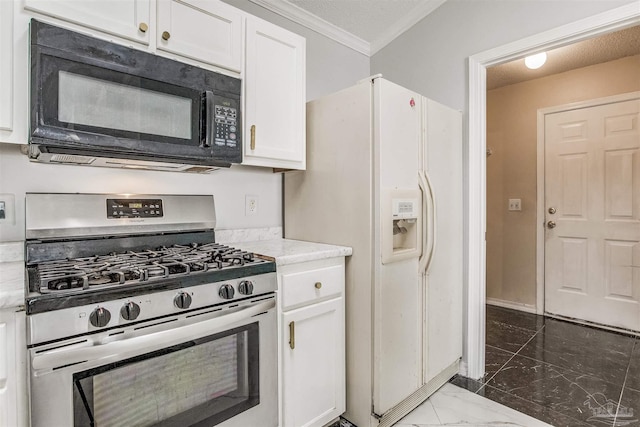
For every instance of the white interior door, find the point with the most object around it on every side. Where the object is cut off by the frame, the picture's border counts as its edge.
(592, 180)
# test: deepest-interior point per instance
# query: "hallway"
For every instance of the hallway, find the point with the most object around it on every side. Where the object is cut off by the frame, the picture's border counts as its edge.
(559, 372)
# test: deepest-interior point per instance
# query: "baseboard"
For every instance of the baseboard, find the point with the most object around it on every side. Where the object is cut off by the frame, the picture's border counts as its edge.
(623, 331)
(527, 308)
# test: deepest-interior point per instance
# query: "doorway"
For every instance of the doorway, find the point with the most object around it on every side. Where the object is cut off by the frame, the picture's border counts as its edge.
(590, 211)
(619, 18)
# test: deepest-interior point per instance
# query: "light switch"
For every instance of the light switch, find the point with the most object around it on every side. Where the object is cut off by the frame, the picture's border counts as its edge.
(515, 205)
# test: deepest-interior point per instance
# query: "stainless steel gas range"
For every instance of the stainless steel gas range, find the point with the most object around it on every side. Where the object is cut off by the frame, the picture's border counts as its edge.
(136, 317)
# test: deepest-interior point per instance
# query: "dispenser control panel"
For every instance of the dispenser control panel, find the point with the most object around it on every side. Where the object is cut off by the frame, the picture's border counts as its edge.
(405, 208)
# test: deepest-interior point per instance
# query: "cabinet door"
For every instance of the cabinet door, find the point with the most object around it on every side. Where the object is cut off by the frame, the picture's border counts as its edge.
(204, 30)
(127, 19)
(12, 369)
(6, 66)
(14, 74)
(313, 364)
(274, 97)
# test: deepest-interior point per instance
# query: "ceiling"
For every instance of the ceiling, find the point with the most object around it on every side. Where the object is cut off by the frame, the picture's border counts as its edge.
(369, 25)
(364, 25)
(592, 51)
(365, 19)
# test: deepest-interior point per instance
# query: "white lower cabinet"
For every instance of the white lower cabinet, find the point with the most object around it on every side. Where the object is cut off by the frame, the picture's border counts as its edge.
(313, 343)
(13, 378)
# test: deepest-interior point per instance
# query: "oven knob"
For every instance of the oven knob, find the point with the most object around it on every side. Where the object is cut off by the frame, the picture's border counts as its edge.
(226, 291)
(246, 287)
(130, 311)
(100, 317)
(182, 300)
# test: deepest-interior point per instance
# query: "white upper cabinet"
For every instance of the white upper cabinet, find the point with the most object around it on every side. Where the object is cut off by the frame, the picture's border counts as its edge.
(14, 72)
(6, 66)
(127, 19)
(203, 30)
(274, 114)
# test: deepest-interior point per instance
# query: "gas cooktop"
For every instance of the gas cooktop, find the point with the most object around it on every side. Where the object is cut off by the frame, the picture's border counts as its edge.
(88, 249)
(137, 267)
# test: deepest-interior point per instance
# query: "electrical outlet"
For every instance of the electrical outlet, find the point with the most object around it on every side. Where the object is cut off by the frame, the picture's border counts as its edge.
(7, 209)
(251, 205)
(515, 205)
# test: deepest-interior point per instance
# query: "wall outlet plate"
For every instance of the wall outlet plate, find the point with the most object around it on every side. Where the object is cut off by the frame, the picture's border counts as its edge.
(7, 209)
(251, 205)
(515, 204)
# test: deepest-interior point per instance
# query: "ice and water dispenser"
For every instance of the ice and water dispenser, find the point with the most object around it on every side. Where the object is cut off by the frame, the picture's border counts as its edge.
(401, 225)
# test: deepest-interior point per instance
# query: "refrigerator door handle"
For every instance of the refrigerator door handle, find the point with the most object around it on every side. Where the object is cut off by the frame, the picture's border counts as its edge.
(429, 218)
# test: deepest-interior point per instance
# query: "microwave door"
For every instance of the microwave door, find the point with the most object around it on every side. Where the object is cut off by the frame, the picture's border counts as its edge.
(81, 104)
(95, 98)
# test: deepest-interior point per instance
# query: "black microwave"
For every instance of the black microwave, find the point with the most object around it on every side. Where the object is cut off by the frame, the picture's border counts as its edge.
(97, 103)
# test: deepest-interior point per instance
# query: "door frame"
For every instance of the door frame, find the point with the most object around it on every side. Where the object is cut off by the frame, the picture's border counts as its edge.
(475, 271)
(540, 199)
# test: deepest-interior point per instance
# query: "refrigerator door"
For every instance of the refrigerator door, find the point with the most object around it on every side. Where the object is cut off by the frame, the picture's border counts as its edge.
(398, 294)
(442, 160)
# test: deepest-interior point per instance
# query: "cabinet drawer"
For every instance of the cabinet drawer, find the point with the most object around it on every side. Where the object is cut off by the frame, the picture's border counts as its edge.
(307, 286)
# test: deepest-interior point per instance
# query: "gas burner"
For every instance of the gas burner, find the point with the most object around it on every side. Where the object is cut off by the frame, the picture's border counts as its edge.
(131, 267)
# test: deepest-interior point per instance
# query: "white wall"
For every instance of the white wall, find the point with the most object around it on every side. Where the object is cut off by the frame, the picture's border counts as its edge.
(431, 57)
(229, 187)
(330, 67)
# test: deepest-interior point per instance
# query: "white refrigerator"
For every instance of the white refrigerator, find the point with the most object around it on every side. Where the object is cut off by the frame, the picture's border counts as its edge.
(384, 176)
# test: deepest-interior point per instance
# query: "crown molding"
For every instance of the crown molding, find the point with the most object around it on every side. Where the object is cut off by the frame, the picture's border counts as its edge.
(407, 21)
(319, 25)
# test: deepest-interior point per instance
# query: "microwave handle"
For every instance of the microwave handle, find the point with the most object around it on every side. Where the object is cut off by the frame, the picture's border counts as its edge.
(207, 124)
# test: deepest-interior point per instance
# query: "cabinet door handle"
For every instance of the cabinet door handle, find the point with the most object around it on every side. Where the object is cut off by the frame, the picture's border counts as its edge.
(165, 35)
(253, 137)
(292, 335)
(318, 285)
(143, 27)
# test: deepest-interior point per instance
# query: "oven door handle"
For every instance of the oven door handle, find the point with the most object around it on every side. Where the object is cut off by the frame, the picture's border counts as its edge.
(151, 342)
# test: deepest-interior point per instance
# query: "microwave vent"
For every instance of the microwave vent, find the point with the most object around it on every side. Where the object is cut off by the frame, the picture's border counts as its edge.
(200, 169)
(69, 158)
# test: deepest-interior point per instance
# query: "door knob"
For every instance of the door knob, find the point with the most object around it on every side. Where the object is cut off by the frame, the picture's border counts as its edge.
(552, 210)
(165, 35)
(551, 224)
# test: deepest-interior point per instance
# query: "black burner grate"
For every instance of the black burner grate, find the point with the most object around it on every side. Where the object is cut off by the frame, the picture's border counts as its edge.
(139, 266)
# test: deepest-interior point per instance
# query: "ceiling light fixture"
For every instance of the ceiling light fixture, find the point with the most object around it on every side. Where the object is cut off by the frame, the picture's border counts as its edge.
(536, 61)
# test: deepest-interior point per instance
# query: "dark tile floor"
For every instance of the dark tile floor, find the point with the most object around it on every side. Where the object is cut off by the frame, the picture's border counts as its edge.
(561, 373)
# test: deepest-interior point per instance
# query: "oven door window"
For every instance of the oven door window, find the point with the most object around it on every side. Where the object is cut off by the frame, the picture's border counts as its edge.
(199, 383)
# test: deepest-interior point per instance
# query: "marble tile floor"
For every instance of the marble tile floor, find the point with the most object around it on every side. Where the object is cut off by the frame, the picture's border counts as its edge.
(558, 372)
(454, 406)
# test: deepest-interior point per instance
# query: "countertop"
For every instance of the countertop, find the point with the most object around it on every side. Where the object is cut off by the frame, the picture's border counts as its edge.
(287, 251)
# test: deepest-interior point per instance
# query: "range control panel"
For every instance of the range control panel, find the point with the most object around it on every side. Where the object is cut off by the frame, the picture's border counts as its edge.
(134, 208)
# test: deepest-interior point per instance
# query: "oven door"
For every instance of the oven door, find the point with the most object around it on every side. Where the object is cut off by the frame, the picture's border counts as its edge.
(211, 367)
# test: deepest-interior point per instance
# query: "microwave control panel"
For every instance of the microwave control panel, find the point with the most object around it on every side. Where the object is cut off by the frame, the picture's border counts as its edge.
(226, 125)
(134, 208)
